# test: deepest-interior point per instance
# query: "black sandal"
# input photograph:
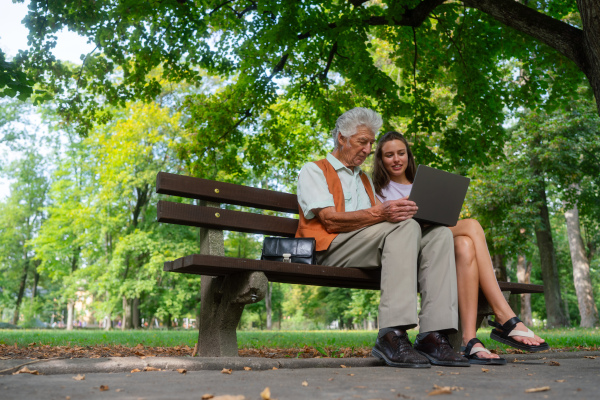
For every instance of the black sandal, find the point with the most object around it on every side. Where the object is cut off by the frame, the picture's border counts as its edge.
(508, 329)
(471, 351)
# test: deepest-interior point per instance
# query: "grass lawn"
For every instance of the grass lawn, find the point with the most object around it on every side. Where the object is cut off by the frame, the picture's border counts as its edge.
(563, 338)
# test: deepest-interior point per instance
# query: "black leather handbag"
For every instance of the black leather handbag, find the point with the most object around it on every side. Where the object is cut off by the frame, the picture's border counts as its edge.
(292, 250)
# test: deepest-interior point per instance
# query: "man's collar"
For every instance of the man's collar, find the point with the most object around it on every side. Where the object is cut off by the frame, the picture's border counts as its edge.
(337, 164)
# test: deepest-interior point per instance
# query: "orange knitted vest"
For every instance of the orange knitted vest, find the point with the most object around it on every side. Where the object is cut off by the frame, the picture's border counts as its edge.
(313, 227)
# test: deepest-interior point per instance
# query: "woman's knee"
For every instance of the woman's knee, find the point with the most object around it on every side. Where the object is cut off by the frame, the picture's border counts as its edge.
(464, 249)
(472, 226)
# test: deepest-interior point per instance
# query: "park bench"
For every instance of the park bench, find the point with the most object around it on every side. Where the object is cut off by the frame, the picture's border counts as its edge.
(228, 283)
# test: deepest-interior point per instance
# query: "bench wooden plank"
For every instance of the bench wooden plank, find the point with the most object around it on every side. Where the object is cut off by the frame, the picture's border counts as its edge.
(216, 218)
(318, 275)
(304, 274)
(229, 193)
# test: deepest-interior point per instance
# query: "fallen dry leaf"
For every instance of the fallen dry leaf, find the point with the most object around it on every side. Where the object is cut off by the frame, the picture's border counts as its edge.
(451, 388)
(26, 370)
(247, 369)
(195, 350)
(118, 390)
(539, 389)
(554, 363)
(151, 369)
(304, 383)
(266, 394)
(444, 390)
(274, 368)
(226, 371)
(485, 370)
(592, 357)
(454, 373)
(182, 370)
(559, 380)
(343, 366)
(103, 388)
(350, 374)
(440, 373)
(330, 379)
(207, 396)
(79, 377)
(136, 370)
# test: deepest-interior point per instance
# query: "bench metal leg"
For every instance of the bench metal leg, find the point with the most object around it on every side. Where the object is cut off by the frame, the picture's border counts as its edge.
(221, 306)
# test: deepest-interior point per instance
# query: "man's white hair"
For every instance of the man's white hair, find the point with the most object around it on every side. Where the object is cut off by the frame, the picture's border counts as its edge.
(349, 121)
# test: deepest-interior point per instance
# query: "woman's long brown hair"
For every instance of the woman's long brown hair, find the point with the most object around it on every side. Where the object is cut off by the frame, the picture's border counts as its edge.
(381, 178)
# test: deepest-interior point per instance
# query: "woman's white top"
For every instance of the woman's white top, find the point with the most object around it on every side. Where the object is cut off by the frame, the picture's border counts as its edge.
(394, 191)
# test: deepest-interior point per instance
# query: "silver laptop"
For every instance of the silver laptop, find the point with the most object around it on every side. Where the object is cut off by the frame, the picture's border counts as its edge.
(439, 195)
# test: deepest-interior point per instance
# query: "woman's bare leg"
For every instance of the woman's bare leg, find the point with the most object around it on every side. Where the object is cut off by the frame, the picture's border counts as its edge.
(487, 279)
(467, 277)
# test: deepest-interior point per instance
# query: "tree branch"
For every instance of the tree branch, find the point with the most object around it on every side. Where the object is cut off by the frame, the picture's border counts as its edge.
(329, 60)
(564, 38)
(411, 17)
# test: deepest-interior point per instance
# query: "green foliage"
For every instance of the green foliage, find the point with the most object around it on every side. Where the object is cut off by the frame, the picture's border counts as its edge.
(13, 82)
(288, 70)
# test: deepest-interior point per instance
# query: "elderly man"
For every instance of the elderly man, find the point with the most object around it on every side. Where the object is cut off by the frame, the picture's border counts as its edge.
(353, 229)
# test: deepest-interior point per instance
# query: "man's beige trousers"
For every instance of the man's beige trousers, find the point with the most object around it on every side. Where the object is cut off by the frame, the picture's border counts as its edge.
(411, 261)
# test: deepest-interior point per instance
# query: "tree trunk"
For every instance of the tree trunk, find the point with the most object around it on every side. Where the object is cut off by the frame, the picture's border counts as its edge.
(36, 280)
(15, 320)
(268, 306)
(70, 314)
(499, 267)
(554, 304)
(581, 271)
(524, 276)
(126, 324)
(590, 18)
(135, 313)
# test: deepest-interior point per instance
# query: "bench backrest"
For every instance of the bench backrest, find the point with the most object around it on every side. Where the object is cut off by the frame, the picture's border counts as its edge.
(225, 193)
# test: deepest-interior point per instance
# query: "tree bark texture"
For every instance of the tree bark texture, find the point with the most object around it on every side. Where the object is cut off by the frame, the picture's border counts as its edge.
(543, 233)
(135, 313)
(581, 271)
(70, 314)
(499, 267)
(524, 276)
(268, 306)
(126, 324)
(15, 320)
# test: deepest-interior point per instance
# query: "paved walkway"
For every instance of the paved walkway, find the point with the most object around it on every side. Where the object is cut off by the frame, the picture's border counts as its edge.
(563, 375)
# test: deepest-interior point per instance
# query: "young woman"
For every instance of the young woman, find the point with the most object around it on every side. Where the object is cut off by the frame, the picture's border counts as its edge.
(393, 175)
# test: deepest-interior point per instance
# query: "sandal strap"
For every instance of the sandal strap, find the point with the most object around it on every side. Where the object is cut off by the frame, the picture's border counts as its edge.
(477, 349)
(508, 326)
(528, 334)
(470, 346)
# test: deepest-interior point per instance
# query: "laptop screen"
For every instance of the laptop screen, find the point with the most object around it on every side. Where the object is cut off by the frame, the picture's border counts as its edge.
(439, 195)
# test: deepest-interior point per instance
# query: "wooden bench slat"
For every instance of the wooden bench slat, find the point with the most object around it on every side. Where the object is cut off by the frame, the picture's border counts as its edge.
(518, 288)
(206, 217)
(304, 274)
(318, 275)
(228, 193)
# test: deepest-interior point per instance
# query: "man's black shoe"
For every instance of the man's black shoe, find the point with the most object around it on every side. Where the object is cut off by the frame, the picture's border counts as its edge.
(396, 350)
(437, 349)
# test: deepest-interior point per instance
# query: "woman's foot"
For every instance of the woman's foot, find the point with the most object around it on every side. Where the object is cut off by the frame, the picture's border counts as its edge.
(476, 353)
(515, 334)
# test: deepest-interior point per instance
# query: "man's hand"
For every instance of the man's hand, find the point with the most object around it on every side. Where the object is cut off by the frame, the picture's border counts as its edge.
(399, 210)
